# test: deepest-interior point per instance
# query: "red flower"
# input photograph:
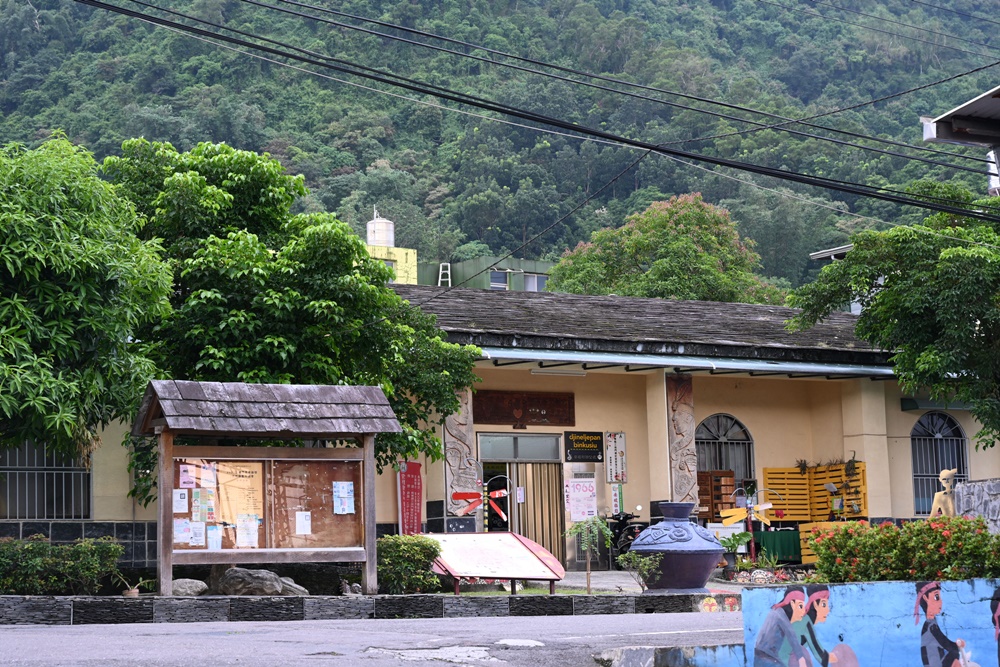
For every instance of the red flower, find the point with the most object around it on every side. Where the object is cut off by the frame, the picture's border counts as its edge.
(946, 533)
(840, 561)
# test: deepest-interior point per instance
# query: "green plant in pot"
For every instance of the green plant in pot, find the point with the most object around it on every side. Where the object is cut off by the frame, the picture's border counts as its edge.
(132, 590)
(732, 544)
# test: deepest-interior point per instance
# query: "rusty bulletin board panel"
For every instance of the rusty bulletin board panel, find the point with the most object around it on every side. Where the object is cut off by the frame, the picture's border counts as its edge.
(223, 505)
(523, 408)
(267, 504)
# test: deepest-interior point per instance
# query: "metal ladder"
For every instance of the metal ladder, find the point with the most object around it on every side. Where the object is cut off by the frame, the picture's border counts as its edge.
(444, 274)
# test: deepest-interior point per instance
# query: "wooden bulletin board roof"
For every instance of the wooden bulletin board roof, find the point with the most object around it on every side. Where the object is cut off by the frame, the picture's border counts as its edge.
(264, 410)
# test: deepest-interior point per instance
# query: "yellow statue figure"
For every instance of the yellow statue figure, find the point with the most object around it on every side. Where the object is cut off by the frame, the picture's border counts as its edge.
(944, 501)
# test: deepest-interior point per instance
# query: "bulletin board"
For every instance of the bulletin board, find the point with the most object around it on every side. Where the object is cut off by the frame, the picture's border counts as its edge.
(237, 505)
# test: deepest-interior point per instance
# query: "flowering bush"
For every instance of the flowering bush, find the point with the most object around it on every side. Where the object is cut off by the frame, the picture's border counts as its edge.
(940, 549)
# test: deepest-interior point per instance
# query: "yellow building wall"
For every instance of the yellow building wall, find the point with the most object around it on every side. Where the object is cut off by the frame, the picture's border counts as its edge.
(404, 261)
(983, 463)
(787, 419)
(112, 481)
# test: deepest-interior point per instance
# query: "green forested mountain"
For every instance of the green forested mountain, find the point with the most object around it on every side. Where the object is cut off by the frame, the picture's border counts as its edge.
(459, 185)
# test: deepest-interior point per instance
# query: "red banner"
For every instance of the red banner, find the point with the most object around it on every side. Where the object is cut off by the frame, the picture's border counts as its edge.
(409, 488)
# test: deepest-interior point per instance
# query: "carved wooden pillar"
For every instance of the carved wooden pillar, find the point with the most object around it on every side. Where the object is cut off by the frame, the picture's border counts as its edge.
(680, 436)
(460, 471)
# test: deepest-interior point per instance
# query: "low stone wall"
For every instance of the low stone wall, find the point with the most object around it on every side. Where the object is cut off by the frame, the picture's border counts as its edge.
(39, 610)
(980, 498)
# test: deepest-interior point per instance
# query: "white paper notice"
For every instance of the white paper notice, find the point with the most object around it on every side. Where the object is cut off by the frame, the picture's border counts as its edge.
(182, 531)
(343, 497)
(246, 530)
(187, 476)
(303, 523)
(214, 536)
(208, 477)
(197, 534)
(181, 501)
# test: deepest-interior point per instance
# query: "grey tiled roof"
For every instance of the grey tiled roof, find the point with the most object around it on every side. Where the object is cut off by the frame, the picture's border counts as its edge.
(264, 410)
(618, 324)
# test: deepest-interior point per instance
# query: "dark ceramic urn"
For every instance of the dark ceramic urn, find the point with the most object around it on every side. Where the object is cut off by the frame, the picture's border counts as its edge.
(690, 552)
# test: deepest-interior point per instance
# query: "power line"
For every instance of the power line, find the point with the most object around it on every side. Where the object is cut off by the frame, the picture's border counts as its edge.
(600, 77)
(816, 181)
(901, 24)
(955, 11)
(868, 27)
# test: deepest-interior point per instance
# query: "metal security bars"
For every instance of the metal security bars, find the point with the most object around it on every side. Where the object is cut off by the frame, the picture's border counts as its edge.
(937, 443)
(723, 443)
(35, 484)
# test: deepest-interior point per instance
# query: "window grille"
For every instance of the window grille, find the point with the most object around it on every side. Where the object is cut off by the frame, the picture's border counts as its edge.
(937, 443)
(723, 443)
(36, 484)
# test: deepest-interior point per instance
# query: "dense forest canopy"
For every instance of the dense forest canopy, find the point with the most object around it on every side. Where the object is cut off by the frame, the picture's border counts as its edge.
(458, 184)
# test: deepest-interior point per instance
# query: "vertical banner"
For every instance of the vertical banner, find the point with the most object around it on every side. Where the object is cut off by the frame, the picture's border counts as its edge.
(409, 487)
(617, 498)
(581, 499)
(614, 457)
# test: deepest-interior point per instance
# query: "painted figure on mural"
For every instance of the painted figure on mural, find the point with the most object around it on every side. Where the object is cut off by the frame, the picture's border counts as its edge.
(936, 650)
(778, 645)
(818, 608)
(944, 500)
(995, 613)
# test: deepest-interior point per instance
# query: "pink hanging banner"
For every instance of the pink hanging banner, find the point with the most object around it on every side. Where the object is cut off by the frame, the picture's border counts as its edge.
(409, 487)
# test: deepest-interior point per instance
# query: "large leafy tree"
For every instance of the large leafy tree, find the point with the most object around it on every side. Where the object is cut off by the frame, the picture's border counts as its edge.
(262, 295)
(76, 283)
(930, 294)
(683, 248)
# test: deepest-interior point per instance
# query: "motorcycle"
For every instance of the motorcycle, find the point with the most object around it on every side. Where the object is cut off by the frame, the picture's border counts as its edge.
(623, 533)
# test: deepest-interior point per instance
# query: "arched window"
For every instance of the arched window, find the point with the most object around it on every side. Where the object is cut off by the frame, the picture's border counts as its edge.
(723, 443)
(938, 443)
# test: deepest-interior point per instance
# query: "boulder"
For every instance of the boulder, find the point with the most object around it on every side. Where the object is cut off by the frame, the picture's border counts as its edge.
(189, 587)
(240, 581)
(292, 588)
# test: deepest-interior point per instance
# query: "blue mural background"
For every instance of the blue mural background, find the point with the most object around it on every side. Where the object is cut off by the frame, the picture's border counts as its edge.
(877, 620)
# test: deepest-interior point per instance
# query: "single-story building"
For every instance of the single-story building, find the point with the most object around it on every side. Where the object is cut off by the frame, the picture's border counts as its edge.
(630, 397)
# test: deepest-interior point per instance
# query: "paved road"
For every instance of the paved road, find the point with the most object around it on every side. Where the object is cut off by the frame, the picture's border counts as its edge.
(569, 641)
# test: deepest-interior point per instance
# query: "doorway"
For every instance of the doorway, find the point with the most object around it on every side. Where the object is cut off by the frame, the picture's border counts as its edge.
(527, 467)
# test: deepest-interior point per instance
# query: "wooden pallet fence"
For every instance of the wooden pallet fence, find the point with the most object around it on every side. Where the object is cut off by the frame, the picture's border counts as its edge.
(794, 487)
(852, 491)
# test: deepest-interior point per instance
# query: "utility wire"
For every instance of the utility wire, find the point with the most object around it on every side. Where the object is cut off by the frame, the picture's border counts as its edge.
(904, 25)
(600, 77)
(583, 203)
(868, 27)
(565, 125)
(955, 11)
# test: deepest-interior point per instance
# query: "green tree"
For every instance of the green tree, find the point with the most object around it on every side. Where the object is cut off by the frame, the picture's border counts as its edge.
(684, 248)
(262, 295)
(76, 283)
(929, 294)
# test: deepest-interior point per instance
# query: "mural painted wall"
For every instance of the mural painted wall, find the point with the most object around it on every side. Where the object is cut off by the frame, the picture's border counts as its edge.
(884, 624)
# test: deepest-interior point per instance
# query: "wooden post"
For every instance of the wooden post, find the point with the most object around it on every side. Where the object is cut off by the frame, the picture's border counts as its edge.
(165, 526)
(369, 578)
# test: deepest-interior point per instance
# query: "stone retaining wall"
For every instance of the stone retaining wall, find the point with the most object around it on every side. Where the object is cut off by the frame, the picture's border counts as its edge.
(40, 610)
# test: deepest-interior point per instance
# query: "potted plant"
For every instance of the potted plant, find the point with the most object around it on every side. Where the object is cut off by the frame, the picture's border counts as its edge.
(131, 590)
(732, 544)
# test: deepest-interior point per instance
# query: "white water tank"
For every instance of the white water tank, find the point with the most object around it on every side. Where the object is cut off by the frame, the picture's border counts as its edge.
(381, 232)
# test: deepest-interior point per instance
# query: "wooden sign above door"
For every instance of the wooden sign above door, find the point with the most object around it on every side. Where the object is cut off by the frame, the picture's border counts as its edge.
(523, 408)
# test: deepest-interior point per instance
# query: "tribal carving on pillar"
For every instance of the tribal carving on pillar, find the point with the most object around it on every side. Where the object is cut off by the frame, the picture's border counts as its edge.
(460, 471)
(680, 435)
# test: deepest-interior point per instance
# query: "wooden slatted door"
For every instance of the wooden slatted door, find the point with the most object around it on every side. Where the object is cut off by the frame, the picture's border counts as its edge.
(541, 516)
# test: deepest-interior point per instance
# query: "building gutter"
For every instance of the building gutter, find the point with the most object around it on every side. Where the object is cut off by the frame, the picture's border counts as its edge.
(633, 362)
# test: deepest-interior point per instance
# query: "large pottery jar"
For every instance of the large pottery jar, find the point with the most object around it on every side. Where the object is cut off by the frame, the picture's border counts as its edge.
(690, 552)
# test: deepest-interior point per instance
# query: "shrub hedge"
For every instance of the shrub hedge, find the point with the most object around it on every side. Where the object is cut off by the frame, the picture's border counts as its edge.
(404, 564)
(939, 549)
(35, 566)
